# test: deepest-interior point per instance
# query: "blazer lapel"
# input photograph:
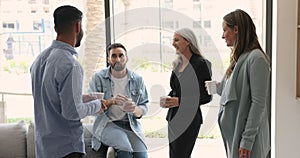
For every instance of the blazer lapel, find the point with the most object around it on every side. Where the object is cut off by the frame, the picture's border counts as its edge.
(232, 93)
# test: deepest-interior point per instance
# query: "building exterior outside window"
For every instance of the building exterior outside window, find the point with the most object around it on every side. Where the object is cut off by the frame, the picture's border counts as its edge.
(145, 27)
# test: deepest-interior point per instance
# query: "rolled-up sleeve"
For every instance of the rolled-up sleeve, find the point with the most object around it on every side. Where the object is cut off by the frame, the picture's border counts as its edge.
(71, 96)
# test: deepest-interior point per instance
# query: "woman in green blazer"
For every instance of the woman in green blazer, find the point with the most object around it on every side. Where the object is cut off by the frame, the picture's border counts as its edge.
(243, 117)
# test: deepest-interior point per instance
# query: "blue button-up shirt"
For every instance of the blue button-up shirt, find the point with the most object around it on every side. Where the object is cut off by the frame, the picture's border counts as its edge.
(135, 89)
(57, 91)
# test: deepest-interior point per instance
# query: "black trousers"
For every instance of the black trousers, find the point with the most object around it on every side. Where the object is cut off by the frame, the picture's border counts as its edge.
(182, 145)
(74, 155)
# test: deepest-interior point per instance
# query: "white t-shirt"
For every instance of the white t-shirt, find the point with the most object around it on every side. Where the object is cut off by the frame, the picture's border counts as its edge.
(115, 112)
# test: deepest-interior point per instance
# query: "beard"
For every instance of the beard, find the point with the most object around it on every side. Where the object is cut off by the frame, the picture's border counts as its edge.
(118, 66)
(79, 37)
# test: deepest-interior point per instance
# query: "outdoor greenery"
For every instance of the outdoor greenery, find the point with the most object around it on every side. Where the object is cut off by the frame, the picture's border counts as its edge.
(14, 66)
(14, 120)
(146, 64)
(148, 134)
(155, 134)
(210, 136)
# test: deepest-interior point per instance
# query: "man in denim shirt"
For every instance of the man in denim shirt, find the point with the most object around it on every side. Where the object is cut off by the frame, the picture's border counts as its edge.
(57, 91)
(126, 98)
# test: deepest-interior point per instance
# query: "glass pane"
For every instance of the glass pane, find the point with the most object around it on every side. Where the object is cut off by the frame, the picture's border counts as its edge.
(146, 28)
(23, 36)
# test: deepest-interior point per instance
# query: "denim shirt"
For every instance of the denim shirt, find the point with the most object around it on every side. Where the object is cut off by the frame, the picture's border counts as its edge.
(57, 79)
(135, 89)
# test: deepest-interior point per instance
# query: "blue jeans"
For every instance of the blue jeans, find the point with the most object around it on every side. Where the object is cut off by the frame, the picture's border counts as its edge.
(126, 143)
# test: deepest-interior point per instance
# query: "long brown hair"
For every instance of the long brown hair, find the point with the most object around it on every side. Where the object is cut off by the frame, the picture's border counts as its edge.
(246, 39)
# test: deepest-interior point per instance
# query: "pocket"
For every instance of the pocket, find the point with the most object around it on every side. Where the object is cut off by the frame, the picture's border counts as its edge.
(135, 94)
(104, 90)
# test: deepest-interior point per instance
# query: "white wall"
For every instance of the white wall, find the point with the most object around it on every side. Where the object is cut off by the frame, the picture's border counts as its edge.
(285, 107)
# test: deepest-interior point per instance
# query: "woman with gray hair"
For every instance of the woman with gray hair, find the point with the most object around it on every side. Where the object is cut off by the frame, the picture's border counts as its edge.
(188, 92)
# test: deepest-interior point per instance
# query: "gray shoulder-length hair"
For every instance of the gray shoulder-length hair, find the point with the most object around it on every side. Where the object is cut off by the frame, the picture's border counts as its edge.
(190, 36)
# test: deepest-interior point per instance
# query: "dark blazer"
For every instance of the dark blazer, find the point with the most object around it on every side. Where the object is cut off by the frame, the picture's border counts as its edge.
(189, 87)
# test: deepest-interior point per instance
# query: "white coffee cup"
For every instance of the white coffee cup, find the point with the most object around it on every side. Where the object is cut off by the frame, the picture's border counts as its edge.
(211, 87)
(98, 95)
(129, 101)
(163, 100)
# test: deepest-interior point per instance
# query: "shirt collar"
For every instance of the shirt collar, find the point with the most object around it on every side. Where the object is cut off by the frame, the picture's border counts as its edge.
(63, 45)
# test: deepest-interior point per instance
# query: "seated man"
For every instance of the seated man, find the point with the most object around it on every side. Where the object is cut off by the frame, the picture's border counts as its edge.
(126, 100)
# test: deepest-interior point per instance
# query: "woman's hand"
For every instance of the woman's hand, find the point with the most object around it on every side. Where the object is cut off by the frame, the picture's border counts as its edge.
(170, 102)
(244, 153)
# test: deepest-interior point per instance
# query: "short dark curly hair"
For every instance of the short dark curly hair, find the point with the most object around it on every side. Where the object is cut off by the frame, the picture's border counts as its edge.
(115, 45)
(65, 16)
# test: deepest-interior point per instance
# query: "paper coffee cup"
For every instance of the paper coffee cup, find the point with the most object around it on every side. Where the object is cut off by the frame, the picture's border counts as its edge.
(98, 95)
(129, 101)
(211, 87)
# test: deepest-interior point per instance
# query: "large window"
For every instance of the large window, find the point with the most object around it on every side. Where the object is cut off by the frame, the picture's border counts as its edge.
(146, 28)
(27, 29)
